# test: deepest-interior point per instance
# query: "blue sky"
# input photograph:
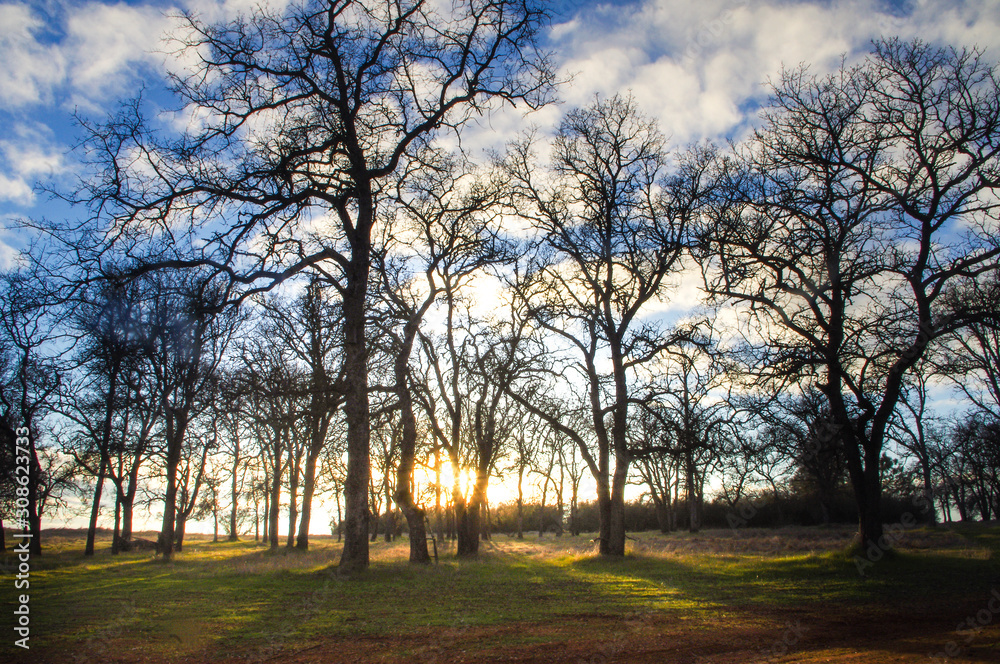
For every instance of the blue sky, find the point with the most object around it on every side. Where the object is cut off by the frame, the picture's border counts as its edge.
(696, 66)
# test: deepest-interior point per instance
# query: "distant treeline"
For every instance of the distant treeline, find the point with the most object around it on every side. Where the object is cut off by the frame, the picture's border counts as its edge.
(753, 512)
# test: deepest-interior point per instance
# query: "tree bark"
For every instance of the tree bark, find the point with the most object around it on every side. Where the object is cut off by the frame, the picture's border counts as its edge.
(467, 517)
(95, 508)
(267, 509)
(126, 503)
(356, 410)
(520, 502)
(407, 452)
(116, 533)
(275, 504)
(293, 496)
(617, 510)
(308, 490)
(179, 531)
(177, 423)
(234, 493)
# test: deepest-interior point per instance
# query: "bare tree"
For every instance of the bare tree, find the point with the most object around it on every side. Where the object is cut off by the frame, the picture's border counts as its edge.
(495, 361)
(971, 359)
(916, 429)
(441, 236)
(303, 116)
(660, 472)
(191, 476)
(800, 428)
(95, 397)
(273, 387)
(309, 325)
(27, 389)
(188, 340)
(612, 221)
(690, 403)
(235, 428)
(524, 450)
(858, 233)
(975, 465)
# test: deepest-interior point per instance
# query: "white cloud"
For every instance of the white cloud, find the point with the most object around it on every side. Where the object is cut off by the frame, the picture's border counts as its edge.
(107, 44)
(82, 56)
(30, 68)
(15, 190)
(694, 66)
(27, 154)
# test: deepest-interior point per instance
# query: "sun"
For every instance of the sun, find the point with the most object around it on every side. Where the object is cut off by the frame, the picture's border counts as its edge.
(498, 491)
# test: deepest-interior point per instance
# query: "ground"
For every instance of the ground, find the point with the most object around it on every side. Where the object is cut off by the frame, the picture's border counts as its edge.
(718, 597)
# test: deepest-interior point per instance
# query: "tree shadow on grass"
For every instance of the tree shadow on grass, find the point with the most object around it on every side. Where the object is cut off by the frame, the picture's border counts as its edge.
(253, 604)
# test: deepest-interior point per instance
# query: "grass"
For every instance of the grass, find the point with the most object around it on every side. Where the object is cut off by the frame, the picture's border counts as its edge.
(730, 593)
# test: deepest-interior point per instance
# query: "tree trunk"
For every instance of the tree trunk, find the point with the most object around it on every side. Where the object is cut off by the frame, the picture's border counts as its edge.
(692, 494)
(417, 533)
(275, 505)
(374, 502)
(267, 509)
(604, 517)
(469, 523)
(308, 490)
(356, 514)
(407, 456)
(340, 521)
(127, 502)
(174, 439)
(616, 532)
(868, 495)
(180, 529)
(116, 532)
(662, 516)
(520, 503)
(487, 521)
(390, 517)
(234, 495)
(560, 506)
(574, 526)
(95, 508)
(438, 516)
(293, 511)
(541, 510)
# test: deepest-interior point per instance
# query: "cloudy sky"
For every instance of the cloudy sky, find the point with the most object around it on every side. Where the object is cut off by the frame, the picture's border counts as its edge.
(699, 67)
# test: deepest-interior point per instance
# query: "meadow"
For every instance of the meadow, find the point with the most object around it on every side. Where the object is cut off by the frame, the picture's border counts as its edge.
(719, 596)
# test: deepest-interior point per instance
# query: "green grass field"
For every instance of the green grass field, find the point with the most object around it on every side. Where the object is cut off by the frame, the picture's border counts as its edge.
(791, 595)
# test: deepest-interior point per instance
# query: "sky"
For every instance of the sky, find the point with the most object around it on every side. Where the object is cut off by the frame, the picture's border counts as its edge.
(700, 68)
